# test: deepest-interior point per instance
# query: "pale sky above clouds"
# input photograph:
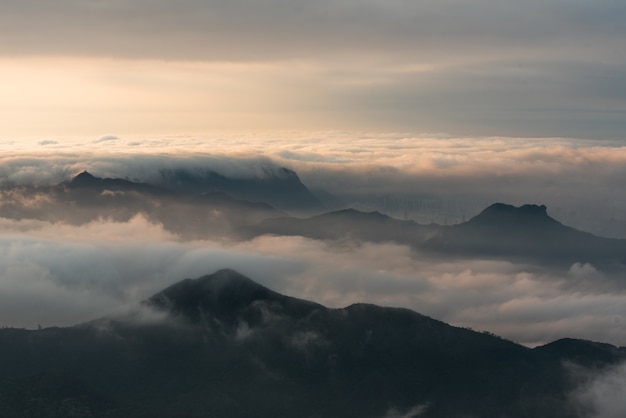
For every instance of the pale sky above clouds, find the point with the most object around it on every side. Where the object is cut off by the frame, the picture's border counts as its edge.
(473, 67)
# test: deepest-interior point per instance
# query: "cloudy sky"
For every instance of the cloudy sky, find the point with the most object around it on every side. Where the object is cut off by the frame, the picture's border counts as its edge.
(463, 67)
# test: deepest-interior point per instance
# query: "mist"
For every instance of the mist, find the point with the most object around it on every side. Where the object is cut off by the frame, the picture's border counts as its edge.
(59, 275)
(98, 259)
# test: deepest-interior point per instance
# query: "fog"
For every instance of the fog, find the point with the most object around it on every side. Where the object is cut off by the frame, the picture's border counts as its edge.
(55, 275)
(603, 393)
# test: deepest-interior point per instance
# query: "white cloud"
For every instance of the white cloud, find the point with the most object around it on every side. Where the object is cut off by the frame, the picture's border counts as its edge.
(604, 394)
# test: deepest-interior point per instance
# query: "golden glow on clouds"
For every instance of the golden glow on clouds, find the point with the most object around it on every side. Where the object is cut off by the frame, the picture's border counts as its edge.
(69, 96)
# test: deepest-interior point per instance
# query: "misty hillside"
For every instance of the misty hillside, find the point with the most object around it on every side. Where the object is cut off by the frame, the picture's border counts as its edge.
(278, 187)
(201, 214)
(206, 205)
(526, 234)
(225, 346)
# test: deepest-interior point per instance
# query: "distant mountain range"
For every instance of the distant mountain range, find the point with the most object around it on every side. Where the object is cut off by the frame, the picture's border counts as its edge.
(280, 188)
(192, 215)
(225, 346)
(207, 205)
(522, 234)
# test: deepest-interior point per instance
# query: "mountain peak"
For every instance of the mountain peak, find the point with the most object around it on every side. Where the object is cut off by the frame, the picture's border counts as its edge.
(84, 179)
(223, 286)
(354, 214)
(527, 208)
(498, 213)
(225, 295)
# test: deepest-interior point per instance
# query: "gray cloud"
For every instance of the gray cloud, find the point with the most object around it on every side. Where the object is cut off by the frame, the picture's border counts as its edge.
(224, 30)
(499, 96)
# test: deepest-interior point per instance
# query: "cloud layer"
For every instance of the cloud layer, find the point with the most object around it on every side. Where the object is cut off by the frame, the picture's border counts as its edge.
(56, 274)
(60, 275)
(427, 178)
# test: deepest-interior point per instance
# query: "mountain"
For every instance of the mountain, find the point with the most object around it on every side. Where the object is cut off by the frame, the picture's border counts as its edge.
(86, 198)
(88, 182)
(279, 187)
(500, 214)
(346, 223)
(525, 234)
(225, 346)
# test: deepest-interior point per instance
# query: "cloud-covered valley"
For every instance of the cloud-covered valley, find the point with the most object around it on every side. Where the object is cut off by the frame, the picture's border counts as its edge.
(56, 274)
(70, 259)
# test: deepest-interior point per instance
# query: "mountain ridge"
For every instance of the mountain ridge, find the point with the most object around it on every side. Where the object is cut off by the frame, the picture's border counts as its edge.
(281, 188)
(501, 231)
(244, 350)
(502, 212)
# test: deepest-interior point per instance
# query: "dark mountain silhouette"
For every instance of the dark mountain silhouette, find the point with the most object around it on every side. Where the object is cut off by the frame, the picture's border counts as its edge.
(201, 205)
(347, 223)
(85, 181)
(195, 206)
(526, 234)
(226, 297)
(279, 187)
(508, 215)
(225, 346)
(87, 198)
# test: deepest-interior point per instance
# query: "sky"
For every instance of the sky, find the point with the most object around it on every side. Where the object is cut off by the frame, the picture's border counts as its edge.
(465, 102)
(549, 68)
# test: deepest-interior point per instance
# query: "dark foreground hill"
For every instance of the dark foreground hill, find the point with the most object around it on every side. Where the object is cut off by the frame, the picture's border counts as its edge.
(224, 346)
